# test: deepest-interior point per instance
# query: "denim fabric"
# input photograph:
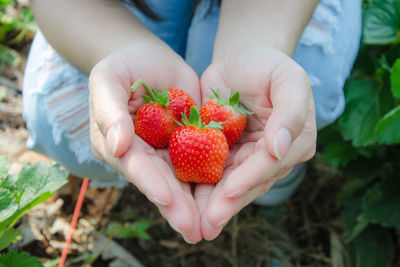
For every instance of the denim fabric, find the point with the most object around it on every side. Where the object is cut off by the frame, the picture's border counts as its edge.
(326, 50)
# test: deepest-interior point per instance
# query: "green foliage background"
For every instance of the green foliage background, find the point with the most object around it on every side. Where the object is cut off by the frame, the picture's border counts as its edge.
(364, 142)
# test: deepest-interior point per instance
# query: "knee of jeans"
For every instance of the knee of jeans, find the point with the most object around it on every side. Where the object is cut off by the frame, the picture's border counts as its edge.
(41, 140)
(328, 97)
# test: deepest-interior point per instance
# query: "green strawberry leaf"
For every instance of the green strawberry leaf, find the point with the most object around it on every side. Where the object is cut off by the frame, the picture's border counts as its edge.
(164, 98)
(18, 259)
(387, 129)
(147, 98)
(234, 100)
(340, 153)
(243, 110)
(373, 247)
(3, 167)
(130, 230)
(218, 96)
(19, 193)
(216, 125)
(395, 79)
(381, 203)
(154, 95)
(354, 222)
(382, 22)
(194, 117)
(8, 237)
(39, 179)
(362, 112)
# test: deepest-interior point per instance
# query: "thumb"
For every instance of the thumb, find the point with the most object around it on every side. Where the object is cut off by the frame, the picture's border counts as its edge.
(290, 97)
(109, 109)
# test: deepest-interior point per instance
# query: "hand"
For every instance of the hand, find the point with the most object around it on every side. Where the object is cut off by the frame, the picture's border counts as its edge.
(280, 134)
(112, 109)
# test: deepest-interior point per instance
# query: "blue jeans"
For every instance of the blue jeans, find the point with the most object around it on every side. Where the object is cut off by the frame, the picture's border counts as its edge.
(60, 129)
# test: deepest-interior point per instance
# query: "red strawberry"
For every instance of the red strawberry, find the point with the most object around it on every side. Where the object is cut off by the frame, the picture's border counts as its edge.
(198, 151)
(230, 113)
(180, 102)
(156, 120)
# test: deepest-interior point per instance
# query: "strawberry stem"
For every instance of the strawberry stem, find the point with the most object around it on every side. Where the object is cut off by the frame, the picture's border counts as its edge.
(233, 101)
(155, 96)
(195, 120)
(139, 83)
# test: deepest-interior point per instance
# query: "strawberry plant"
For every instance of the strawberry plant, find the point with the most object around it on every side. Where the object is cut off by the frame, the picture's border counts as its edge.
(18, 194)
(16, 25)
(364, 142)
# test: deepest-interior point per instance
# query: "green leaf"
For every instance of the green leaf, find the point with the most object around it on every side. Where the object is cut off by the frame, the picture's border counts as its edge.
(18, 259)
(164, 98)
(374, 247)
(395, 79)
(34, 184)
(353, 220)
(382, 22)
(52, 262)
(381, 203)
(39, 179)
(130, 230)
(3, 167)
(340, 153)
(147, 98)
(234, 100)
(4, 3)
(361, 114)
(8, 206)
(7, 55)
(387, 129)
(8, 237)
(216, 125)
(194, 117)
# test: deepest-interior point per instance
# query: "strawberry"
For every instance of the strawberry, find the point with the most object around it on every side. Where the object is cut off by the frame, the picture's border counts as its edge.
(156, 120)
(198, 151)
(180, 102)
(232, 115)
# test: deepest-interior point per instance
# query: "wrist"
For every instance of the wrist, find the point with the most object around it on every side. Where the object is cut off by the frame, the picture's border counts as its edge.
(277, 24)
(287, 47)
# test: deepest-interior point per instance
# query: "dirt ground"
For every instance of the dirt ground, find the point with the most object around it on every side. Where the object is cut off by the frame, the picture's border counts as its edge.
(304, 231)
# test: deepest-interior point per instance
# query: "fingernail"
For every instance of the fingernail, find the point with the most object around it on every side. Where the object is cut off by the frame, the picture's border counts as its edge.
(215, 235)
(187, 240)
(236, 193)
(222, 223)
(282, 142)
(112, 139)
(157, 201)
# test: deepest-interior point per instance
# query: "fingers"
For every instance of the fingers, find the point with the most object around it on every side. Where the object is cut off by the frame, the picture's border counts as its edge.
(290, 96)
(212, 78)
(109, 109)
(155, 179)
(182, 214)
(251, 179)
(221, 209)
(261, 167)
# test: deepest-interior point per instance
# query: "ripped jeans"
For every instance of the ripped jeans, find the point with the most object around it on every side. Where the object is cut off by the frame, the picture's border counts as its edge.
(55, 94)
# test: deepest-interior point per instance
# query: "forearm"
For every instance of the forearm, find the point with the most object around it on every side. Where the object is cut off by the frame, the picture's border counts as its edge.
(278, 23)
(83, 32)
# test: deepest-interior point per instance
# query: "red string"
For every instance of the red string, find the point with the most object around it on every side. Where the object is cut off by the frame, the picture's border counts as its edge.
(75, 216)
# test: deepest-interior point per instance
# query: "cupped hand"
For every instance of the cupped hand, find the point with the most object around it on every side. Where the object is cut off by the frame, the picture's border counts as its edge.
(280, 134)
(112, 110)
